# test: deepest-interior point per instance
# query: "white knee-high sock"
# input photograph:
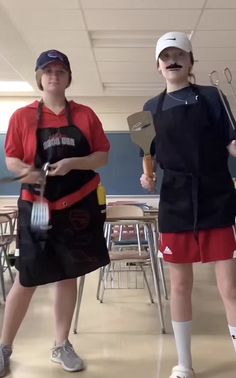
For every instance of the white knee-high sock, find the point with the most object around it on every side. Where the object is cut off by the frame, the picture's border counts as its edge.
(182, 333)
(232, 331)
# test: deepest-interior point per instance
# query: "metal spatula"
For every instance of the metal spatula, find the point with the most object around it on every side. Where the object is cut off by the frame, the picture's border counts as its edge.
(142, 133)
(40, 209)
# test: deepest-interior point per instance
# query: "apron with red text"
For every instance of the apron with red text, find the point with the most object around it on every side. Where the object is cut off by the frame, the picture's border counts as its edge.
(74, 244)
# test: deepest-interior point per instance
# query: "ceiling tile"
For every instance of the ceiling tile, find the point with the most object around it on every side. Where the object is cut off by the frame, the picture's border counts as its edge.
(215, 38)
(52, 19)
(141, 19)
(221, 4)
(56, 39)
(111, 43)
(218, 19)
(42, 4)
(141, 4)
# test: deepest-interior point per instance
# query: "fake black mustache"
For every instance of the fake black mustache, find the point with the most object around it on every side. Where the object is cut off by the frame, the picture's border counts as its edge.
(174, 65)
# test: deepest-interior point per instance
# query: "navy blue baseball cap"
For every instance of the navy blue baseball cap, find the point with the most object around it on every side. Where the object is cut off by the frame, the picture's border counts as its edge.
(51, 56)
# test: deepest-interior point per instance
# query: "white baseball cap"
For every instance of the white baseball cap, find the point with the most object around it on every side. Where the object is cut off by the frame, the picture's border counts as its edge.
(173, 39)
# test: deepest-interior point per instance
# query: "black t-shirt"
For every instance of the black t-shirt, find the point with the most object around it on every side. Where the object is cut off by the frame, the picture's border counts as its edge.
(188, 96)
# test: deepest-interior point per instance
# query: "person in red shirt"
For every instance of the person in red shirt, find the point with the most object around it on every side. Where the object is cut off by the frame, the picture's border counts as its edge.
(196, 217)
(68, 137)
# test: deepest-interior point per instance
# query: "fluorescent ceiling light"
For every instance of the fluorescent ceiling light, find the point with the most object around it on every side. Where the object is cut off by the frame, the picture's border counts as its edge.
(15, 86)
(123, 38)
(132, 88)
(126, 38)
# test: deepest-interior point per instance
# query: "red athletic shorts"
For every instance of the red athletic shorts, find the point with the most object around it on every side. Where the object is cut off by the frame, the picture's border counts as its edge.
(205, 246)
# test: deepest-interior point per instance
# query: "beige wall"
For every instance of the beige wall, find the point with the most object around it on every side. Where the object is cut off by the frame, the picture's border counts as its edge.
(112, 111)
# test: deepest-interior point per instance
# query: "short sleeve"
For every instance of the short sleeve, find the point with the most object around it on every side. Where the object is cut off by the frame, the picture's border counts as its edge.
(151, 105)
(13, 142)
(99, 141)
(152, 149)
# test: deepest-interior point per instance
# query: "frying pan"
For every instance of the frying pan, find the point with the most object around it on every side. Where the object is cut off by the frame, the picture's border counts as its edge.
(142, 133)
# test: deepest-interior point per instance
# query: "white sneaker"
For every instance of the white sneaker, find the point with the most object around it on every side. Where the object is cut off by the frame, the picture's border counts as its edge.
(182, 372)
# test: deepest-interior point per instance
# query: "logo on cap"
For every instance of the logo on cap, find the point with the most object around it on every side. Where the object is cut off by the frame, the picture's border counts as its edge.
(55, 55)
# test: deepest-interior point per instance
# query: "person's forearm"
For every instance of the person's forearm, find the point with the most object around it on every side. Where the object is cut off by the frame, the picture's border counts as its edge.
(16, 165)
(93, 161)
(19, 168)
(149, 165)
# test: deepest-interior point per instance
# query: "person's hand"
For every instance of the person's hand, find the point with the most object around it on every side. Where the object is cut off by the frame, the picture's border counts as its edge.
(33, 176)
(148, 183)
(60, 168)
(232, 148)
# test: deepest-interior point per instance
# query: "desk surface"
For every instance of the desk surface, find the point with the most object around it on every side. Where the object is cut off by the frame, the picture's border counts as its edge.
(145, 218)
(151, 211)
(9, 210)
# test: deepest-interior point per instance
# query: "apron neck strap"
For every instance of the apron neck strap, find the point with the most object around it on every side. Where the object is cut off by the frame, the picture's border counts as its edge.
(39, 113)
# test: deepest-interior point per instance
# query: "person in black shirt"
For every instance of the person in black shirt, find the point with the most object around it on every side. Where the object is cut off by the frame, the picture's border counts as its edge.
(197, 198)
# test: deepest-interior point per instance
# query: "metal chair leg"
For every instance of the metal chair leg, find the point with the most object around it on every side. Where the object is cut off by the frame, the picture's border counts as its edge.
(6, 261)
(147, 284)
(2, 279)
(163, 280)
(101, 270)
(79, 299)
(103, 281)
(155, 274)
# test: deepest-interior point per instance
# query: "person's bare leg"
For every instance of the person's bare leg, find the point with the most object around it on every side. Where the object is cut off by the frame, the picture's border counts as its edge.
(65, 301)
(17, 303)
(226, 282)
(63, 352)
(181, 279)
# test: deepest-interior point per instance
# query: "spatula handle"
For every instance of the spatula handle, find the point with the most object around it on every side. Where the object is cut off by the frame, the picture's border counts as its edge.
(148, 166)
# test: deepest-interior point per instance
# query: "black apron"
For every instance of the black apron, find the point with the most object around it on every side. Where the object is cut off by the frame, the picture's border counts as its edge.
(75, 243)
(197, 191)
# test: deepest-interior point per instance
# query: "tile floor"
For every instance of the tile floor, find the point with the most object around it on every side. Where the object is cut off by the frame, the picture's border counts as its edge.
(121, 337)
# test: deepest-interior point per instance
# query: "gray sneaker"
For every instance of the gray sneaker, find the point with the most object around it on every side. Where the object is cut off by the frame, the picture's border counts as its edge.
(5, 354)
(66, 356)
